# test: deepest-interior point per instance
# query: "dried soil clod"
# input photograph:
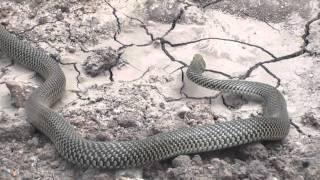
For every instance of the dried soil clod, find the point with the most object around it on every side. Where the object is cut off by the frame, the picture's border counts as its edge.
(18, 93)
(101, 61)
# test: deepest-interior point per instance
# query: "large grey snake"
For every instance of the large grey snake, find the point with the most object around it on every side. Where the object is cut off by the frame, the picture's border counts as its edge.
(273, 125)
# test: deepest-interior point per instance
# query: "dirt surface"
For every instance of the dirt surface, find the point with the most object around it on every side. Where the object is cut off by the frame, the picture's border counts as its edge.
(125, 64)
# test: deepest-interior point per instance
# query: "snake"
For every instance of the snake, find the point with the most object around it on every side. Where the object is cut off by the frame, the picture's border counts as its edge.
(272, 125)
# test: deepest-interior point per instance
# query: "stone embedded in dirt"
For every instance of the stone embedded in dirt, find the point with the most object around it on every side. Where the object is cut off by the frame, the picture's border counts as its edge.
(129, 174)
(95, 174)
(221, 168)
(101, 61)
(162, 105)
(15, 133)
(129, 119)
(162, 11)
(5, 11)
(194, 15)
(19, 1)
(34, 141)
(59, 16)
(314, 45)
(104, 136)
(253, 151)
(43, 20)
(18, 93)
(310, 119)
(4, 117)
(71, 49)
(182, 111)
(181, 161)
(55, 164)
(63, 7)
(312, 173)
(168, 11)
(273, 11)
(196, 159)
(47, 152)
(233, 101)
(258, 170)
(38, 1)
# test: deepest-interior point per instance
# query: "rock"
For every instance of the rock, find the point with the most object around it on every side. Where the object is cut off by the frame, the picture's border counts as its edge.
(19, 1)
(313, 173)
(54, 164)
(102, 176)
(59, 16)
(129, 119)
(18, 93)
(43, 20)
(252, 151)
(162, 11)
(181, 161)
(5, 12)
(38, 1)
(16, 133)
(177, 173)
(182, 111)
(4, 117)
(65, 9)
(127, 123)
(129, 174)
(257, 170)
(310, 119)
(46, 153)
(234, 101)
(101, 61)
(161, 105)
(4, 173)
(197, 159)
(71, 49)
(221, 169)
(314, 45)
(34, 141)
(279, 164)
(240, 169)
(194, 15)
(104, 136)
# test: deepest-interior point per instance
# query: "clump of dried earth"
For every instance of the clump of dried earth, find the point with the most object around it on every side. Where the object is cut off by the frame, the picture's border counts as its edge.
(124, 66)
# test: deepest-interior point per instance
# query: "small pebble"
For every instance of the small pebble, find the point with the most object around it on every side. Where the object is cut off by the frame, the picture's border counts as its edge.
(181, 161)
(182, 111)
(34, 141)
(197, 159)
(54, 164)
(60, 16)
(19, 1)
(104, 136)
(161, 105)
(253, 151)
(43, 20)
(71, 49)
(127, 123)
(129, 174)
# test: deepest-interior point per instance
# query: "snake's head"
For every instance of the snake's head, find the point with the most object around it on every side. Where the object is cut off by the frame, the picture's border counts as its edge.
(197, 64)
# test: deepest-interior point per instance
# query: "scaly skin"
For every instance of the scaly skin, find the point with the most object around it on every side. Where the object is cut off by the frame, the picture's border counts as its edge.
(273, 125)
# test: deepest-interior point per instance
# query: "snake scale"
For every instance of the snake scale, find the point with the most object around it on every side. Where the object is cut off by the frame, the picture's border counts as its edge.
(273, 125)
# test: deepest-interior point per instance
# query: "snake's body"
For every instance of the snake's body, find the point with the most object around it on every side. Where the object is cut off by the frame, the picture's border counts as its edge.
(273, 125)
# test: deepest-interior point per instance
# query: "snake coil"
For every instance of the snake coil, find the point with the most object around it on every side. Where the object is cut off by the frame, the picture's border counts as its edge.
(273, 125)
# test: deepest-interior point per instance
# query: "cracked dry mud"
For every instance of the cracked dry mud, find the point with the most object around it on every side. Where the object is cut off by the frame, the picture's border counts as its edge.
(137, 52)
